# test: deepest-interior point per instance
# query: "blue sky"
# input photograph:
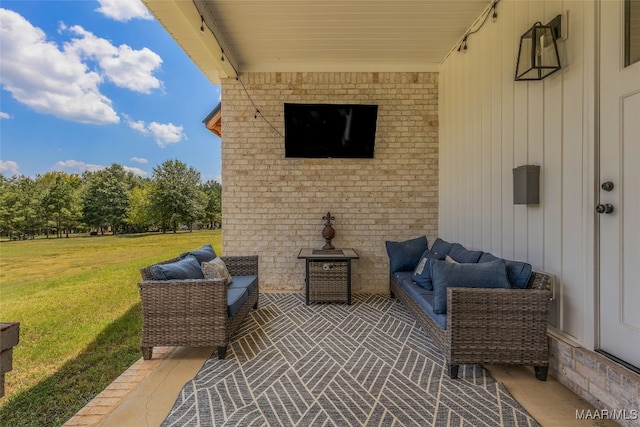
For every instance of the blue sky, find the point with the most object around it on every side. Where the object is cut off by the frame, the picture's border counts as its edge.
(85, 84)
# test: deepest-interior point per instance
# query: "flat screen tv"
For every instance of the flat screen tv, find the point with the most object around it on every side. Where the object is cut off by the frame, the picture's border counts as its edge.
(330, 130)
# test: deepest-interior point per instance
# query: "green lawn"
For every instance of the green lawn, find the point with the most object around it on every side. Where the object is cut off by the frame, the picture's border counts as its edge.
(80, 319)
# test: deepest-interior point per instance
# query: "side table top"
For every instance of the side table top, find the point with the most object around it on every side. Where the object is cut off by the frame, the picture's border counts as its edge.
(344, 253)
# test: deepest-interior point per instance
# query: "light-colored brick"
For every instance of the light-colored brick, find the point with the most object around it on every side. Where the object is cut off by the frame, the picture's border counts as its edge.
(608, 400)
(597, 379)
(273, 206)
(575, 377)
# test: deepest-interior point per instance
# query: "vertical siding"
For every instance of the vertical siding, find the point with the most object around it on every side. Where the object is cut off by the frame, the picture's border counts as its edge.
(490, 124)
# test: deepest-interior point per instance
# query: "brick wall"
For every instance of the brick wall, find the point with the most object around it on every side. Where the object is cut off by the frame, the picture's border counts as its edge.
(597, 379)
(273, 206)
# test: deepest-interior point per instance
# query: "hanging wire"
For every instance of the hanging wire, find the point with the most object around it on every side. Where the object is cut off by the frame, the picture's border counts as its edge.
(463, 44)
(257, 110)
(206, 24)
(222, 59)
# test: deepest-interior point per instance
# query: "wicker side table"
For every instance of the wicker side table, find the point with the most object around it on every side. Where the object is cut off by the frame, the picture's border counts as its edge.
(328, 274)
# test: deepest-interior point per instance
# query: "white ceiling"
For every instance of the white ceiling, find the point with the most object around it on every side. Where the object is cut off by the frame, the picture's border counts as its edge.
(323, 35)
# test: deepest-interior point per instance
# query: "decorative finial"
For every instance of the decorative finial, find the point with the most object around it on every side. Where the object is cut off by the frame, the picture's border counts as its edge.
(328, 232)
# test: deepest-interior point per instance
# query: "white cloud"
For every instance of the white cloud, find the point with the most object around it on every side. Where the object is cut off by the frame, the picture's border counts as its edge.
(4, 115)
(80, 166)
(139, 160)
(164, 133)
(123, 10)
(9, 166)
(46, 79)
(122, 65)
(136, 171)
(76, 165)
(139, 126)
(61, 82)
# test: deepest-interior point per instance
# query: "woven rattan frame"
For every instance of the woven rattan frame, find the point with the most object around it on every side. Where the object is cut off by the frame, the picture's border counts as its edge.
(328, 284)
(192, 313)
(490, 326)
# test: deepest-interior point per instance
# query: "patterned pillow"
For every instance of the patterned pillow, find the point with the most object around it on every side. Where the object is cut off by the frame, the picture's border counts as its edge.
(216, 269)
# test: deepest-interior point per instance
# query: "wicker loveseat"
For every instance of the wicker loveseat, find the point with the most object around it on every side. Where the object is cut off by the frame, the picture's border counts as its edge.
(197, 312)
(501, 326)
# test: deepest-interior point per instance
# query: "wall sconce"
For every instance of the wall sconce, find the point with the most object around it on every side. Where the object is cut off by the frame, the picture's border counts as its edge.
(538, 55)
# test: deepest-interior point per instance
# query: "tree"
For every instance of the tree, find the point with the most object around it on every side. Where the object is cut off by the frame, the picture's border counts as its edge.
(175, 195)
(140, 214)
(106, 197)
(212, 214)
(27, 206)
(8, 197)
(62, 201)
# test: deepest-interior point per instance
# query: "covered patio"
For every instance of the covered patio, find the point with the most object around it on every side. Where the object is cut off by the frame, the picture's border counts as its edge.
(144, 396)
(452, 125)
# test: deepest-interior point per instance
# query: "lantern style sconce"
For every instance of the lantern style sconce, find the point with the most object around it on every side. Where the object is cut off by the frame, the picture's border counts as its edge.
(538, 55)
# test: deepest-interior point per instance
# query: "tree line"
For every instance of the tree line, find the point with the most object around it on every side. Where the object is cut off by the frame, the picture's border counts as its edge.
(111, 199)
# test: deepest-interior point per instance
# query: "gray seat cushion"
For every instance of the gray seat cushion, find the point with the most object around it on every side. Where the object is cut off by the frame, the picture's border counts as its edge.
(245, 282)
(235, 298)
(421, 296)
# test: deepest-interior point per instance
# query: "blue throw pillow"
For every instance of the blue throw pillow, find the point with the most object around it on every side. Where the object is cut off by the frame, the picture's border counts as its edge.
(441, 247)
(519, 273)
(422, 273)
(486, 257)
(185, 268)
(204, 254)
(445, 275)
(404, 256)
(461, 254)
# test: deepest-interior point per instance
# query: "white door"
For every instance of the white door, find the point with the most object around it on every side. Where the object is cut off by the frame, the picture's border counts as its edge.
(619, 186)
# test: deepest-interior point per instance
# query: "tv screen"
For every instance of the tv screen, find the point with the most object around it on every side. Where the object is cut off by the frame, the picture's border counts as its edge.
(330, 130)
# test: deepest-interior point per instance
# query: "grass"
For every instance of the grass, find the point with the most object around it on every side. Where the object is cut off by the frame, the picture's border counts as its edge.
(80, 318)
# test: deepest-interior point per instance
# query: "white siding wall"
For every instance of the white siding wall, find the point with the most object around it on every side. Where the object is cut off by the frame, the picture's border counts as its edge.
(490, 124)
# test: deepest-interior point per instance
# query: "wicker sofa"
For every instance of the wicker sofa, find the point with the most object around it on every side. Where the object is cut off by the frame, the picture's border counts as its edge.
(197, 312)
(481, 325)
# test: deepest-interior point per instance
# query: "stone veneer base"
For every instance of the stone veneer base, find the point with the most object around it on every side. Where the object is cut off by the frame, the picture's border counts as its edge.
(599, 380)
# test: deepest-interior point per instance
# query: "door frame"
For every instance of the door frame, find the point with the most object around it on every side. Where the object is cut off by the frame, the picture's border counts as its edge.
(597, 193)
